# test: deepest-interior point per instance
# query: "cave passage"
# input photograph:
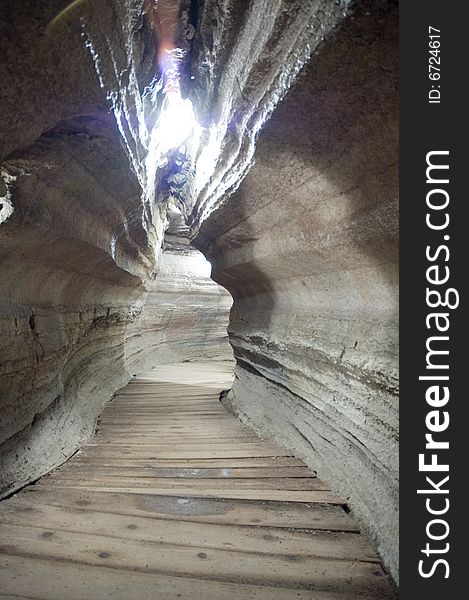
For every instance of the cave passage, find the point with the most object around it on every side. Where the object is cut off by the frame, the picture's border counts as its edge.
(196, 196)
(175, 497)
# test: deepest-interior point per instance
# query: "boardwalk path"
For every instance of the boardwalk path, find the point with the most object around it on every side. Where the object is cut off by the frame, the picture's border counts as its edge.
(174, 498)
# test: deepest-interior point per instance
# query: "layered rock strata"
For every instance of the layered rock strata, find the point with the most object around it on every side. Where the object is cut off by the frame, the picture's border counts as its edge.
(307, 246)
(88, 296)
(75, 327)
(93, 290)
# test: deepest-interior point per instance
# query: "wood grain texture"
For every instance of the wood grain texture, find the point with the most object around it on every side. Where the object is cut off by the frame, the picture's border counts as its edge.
(201, 513)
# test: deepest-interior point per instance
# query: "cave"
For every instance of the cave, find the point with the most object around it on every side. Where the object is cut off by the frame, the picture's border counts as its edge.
(199, 299)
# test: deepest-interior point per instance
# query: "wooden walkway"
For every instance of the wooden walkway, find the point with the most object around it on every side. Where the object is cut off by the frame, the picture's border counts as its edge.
(174, 498)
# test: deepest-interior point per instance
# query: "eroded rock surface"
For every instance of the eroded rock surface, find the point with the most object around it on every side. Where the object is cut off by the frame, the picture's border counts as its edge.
(307, 246)
(94, 290)
(89, 297)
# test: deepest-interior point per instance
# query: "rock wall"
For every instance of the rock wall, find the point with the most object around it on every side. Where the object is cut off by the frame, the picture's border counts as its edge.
(244, 57)
(88, 296)
(184, 317)
(307, 246)
(94, 290)
(75, 328)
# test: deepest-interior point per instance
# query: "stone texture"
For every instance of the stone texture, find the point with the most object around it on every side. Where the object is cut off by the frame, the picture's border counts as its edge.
(94, 290)
(307, 246)
(244, 58)
(75, 328)
(88, 296)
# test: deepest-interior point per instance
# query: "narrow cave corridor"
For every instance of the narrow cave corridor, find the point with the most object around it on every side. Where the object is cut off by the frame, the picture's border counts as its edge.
(199, 299)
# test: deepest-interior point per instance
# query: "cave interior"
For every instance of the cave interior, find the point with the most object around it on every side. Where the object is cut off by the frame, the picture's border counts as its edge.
(199, 299)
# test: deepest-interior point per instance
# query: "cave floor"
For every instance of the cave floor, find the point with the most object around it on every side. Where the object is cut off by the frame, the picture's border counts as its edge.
(175, 498)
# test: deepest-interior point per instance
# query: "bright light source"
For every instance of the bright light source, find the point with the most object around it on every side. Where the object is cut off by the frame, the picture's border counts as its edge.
(175, 126)
(176, 122)
(199, 265)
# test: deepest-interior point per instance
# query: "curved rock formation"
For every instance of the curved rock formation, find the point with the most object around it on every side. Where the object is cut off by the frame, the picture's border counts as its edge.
(98, 278)
(307, 247)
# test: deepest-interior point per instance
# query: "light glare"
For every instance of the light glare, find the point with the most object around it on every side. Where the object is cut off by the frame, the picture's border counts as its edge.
(200, 266)
(176, 122)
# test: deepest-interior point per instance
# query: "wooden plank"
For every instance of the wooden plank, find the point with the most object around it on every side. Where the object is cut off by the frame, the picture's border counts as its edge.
(48, 580)
(74, 468)
(340, 546)
(161, 445)
(224, 463)
(181, 439)
(149, 453)
(171, 426)
(173, 433)
(177, 434)
(212, 485)
(174, 498)
(290, 571)
(241, 494)
(200, 510)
